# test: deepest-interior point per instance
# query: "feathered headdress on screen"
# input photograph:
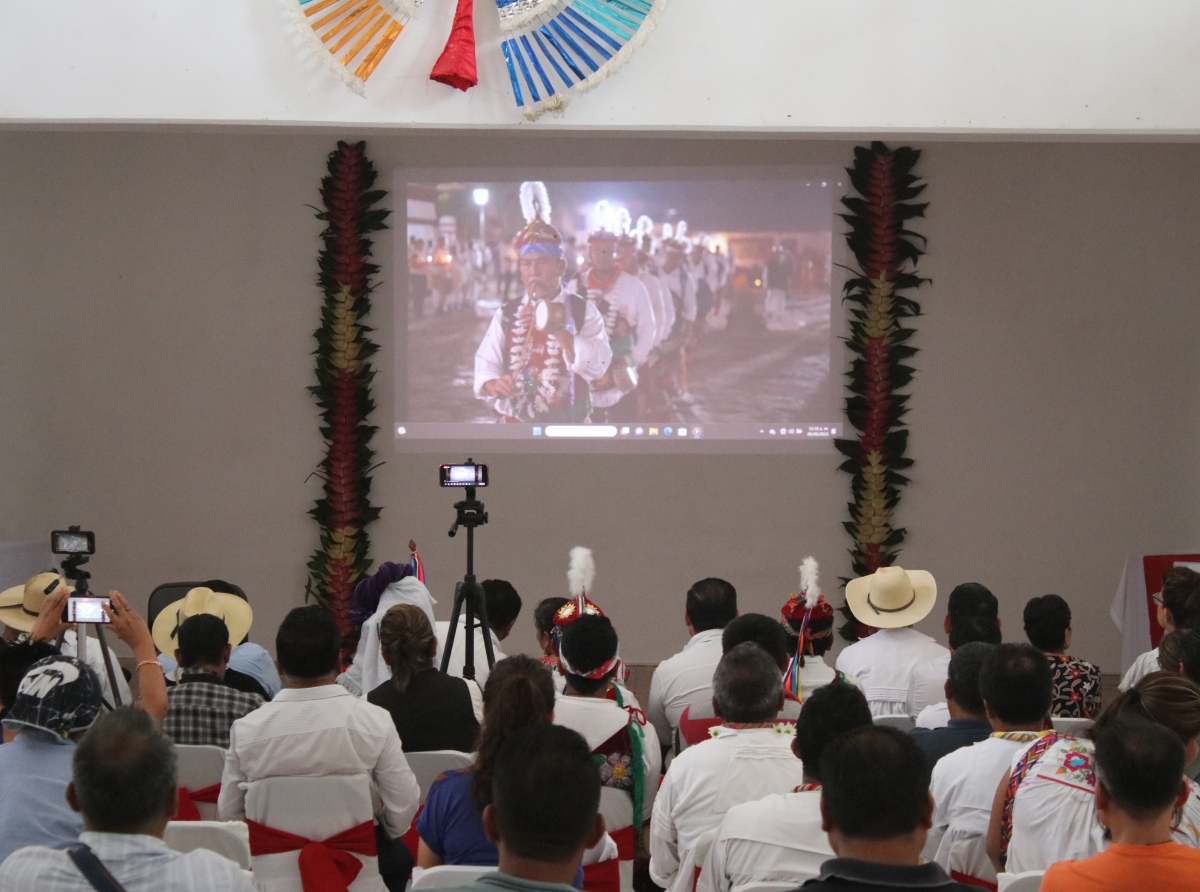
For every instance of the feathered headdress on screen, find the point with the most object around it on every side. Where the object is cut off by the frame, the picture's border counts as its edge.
(535, 206)
(625, 227)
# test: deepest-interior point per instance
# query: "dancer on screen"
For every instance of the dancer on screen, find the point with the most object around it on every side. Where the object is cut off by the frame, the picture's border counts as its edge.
(542, 352)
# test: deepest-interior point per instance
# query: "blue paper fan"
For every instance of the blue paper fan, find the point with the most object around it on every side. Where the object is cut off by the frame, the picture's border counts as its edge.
(555, 49)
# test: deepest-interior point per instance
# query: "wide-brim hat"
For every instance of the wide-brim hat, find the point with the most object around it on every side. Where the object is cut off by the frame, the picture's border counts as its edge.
(21, 604)
(891, 597)
(235, 612)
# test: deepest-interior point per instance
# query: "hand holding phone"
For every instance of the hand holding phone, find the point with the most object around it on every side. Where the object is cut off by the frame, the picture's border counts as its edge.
(86, 610)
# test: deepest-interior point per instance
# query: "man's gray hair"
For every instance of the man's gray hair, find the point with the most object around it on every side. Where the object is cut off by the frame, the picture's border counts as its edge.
(124, 772)
(747, 685)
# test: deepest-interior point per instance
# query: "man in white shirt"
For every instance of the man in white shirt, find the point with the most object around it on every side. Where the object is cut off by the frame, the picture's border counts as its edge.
(124, 751)
(890, 600)
(968, 601)
(1016, 686)
(686, 678)
(779, 838)
(1178, 607)
(315, 727)
(503, 607)
(746, 759)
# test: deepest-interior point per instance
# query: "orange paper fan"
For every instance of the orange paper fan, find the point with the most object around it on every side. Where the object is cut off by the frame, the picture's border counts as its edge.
(352, 36)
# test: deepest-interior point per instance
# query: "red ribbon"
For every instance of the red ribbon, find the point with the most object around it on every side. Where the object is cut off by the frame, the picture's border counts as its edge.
(624, 840)
(325, 865)
(455, 67)
(187, 810)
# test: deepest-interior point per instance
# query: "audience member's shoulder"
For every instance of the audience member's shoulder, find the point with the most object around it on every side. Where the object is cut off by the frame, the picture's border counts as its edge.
(203, 863)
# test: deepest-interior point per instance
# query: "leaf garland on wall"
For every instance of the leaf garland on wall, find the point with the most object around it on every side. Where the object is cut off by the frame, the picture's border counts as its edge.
(886, 255)
(343, 388)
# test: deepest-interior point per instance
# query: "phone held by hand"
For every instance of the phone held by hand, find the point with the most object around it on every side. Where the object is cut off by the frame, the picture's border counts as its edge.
(86, 610)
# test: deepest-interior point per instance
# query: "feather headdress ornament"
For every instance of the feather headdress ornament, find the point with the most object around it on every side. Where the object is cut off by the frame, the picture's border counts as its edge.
(580, 573)
(808, 582)
(535, 206)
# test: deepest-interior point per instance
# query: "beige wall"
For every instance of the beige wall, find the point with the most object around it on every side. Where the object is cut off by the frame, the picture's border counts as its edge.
(157, 300)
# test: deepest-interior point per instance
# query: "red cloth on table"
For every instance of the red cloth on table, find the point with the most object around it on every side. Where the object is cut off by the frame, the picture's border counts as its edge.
(187, 810)
(325, 865)
(455, 67)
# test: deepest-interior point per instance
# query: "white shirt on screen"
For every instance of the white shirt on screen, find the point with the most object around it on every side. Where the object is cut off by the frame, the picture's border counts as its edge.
(1142, 666)
(664, 311)
(774, 839)
(885, 662)
(928, 685)
(683, 680)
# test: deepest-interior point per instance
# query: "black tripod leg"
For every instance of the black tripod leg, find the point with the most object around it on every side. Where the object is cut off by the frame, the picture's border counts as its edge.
(449, 645)
(108, 666)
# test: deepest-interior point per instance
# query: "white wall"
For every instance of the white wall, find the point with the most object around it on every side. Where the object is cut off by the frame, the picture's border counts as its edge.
(1069, 67)
(157, 298)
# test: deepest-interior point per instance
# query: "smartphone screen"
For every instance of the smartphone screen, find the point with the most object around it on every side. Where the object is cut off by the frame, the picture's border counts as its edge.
(463, 475)
(86, 610)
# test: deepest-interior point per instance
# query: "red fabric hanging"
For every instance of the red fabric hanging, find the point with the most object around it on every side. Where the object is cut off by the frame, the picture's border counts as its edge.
(187, 810)
(456, 65)
(325, 865)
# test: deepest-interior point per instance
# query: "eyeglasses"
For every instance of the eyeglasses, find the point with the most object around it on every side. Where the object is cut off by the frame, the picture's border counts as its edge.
(1157, 598)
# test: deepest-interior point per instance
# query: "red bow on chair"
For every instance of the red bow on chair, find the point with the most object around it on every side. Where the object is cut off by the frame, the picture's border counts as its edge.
(325, 865)
(187, 810)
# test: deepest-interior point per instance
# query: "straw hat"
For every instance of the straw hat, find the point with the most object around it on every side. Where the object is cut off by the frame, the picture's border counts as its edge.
(20, 605)
(234, 611)
(891, 597)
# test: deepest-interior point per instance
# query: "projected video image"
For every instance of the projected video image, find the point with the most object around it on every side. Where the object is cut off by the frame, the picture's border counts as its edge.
(694, 310)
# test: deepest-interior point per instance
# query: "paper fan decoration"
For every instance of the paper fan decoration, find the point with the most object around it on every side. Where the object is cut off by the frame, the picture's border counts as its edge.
(352, 36)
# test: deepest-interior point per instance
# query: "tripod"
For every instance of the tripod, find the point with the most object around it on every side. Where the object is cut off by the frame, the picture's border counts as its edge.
(469, 593)
(80, 577)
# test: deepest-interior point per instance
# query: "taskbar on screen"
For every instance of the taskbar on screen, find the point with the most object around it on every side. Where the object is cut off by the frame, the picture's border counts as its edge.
(642, 432)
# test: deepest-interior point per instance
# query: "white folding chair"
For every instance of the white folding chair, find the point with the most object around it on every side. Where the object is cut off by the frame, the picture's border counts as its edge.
(899, 722)
(1071, 727)
(228, 838)
(1029, 881)
(617, 808)
(314, 808)
(694, 723)
(447, 876)
(200, 767)
(765, 886)
(428, 765)
(691, 860)
(969, 862)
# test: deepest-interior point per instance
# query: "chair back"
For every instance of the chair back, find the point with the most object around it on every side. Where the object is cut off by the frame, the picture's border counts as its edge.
(899, 722)
(314, 808)
(170, 592)
(448, 876)
(1029, 881)
(200, 767)
(230, 839)
(694, 722)
(691, 861)
(427, 766)
(969, 863)
(1071, 727)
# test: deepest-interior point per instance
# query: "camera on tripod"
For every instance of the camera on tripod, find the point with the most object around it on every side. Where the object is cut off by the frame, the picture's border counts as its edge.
(468, 594)
(78, 545)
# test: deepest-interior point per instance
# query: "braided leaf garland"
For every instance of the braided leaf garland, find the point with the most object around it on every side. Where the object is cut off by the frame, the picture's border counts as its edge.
(343, 388)
(886, 255)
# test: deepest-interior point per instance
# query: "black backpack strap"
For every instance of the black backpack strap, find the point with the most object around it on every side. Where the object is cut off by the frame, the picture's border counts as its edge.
(93, 869)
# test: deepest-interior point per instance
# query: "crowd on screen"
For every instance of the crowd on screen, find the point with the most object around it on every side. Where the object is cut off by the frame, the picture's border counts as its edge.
(757, 762)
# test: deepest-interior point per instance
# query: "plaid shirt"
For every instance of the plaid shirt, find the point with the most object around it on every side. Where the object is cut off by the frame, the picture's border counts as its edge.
(200, 710)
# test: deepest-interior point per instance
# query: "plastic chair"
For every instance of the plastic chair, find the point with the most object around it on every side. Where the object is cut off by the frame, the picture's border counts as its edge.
(899, 722)
(1029, 881)
(969, 863)
(691, 861)
(170, 592)
(228, 838)
(200, 769)
(694, 724)
(315, 808)
(1071, 727)
(447, 876)
(428, 765)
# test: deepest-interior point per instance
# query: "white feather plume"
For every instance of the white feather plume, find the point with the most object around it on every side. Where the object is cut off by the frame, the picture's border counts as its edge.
(645, 225)
(535, 201)
(808, 582)
(666, 232)
(681, 229)
(623, 221)
(581, 571)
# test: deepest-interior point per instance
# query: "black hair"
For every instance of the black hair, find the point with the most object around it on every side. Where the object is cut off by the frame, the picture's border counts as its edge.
(764, 631)
(971, 599)
(202, 640)
(545, 793)
(875, 784)
(502, 602)
(1181, 596)
(15, 660)
(1189, 655)
(965, 665)
(1046, 622)
(1139, 764)
(747, 686)
(1017, 683)
(711, 604)
(587, 643)
(519, 694)
(975, 628)
(544, 613)
(828, 712)
(306, 645)
(124, 772)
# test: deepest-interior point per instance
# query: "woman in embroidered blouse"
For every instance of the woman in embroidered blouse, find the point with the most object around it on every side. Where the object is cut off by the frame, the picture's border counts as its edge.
(1076, 682)
(1045, 808)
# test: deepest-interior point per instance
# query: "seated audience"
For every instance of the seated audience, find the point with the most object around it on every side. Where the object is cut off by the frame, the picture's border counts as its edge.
(890, 600)
(1189, 655)
(1076, 682)
(431, 711)
(572, 610)
(971, 603)
(818, 638)
(1045, 807)
(746, 759)
(200, 708)
(390, 586)
(1178, 605)
(968, 721)
(314, 727)
(1170, 651)
(123, 781)
(771, 637)
(56, 701)
(686, 678)
(15, 659)
(1015, 687)
(543, 626)
(876, 810)
(503, 606)
(779, 837)
(542, 812)
(980, 629)
(1137, 768)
